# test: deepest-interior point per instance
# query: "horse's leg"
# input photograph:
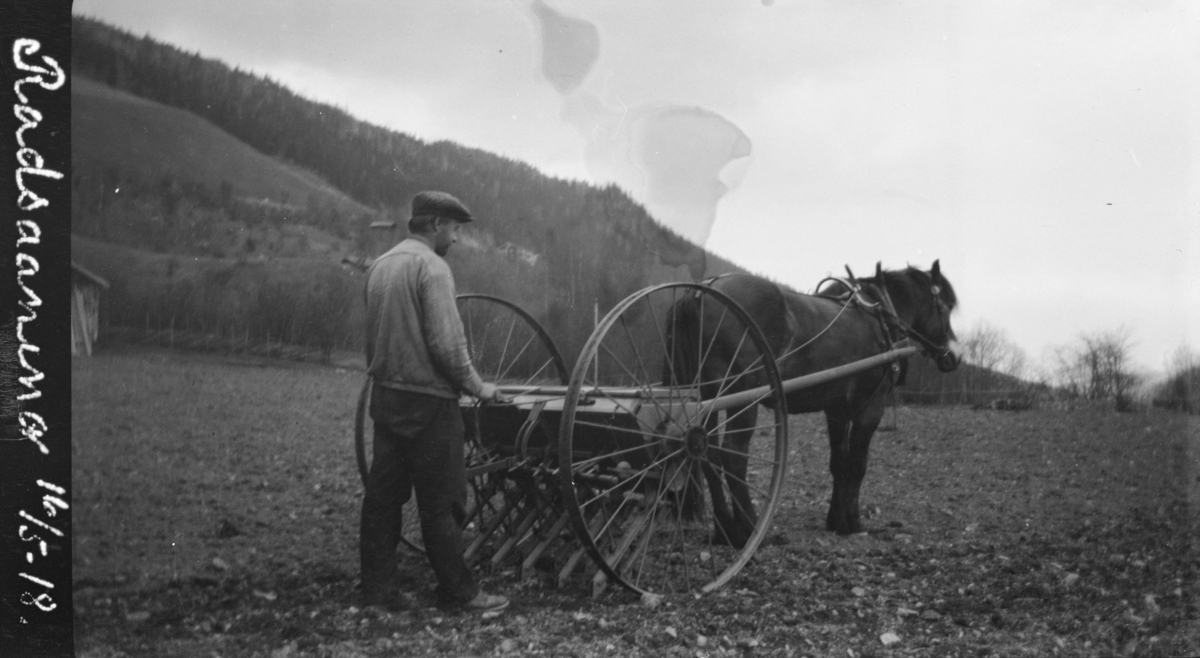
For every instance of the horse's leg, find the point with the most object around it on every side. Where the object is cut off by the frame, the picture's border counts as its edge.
(690, 494)
(722, 517)
(736, 443)
(850, 445)
(839, 449)
(693, 502)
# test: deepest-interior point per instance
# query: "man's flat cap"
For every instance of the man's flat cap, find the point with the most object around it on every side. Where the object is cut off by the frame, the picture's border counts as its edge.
(440, 204)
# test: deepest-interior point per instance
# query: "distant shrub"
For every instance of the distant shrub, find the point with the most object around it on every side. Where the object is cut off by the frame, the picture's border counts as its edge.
(1181, 390)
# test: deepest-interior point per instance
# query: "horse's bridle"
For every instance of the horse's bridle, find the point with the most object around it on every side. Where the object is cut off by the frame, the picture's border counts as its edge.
(932, 349)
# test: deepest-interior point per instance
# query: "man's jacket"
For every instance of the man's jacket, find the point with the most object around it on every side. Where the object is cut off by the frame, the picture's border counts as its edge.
(415, 340)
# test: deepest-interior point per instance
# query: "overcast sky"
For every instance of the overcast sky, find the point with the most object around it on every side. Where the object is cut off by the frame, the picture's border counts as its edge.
(1048, 153)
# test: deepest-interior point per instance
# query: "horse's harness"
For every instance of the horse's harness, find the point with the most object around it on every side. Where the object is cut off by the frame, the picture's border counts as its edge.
(890, 324)
(892, 327)
(885, 312)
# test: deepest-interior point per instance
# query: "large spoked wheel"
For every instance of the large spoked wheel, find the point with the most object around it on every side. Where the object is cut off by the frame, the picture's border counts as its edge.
(670, 489)
(508, 347)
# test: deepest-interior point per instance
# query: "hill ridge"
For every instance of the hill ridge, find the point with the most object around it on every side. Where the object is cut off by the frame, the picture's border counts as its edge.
(98, 109)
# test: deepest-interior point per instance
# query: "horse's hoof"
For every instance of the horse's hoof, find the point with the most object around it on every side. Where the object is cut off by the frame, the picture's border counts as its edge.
(721, 539)
(842, 528)
(847, 529)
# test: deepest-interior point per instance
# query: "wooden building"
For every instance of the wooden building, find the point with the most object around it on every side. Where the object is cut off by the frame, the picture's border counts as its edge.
(85, 308)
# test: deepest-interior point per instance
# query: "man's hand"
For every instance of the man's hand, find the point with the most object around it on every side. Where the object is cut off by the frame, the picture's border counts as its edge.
(492, 394)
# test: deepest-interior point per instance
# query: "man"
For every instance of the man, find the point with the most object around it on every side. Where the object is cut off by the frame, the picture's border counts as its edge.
(417, 358)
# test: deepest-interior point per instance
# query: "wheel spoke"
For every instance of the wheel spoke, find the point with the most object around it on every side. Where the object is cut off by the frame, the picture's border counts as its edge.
(668, 352)
(608, 455)
(743, 454)
(512, 325)
(653, 398)
(746, 409)
(640, 475)
(616, 513)
(537, 373)
(470, 329)
(678, 525)
(712, 567)
(729, 382)
(630, 431)
(725, 382)
(711, 343)
(636, 352)
(744, 481)
(501, 375)
(679, 522)
(662, 483)
(712, 476)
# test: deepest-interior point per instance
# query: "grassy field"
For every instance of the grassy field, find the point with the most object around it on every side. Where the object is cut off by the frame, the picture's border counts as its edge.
(216, 512)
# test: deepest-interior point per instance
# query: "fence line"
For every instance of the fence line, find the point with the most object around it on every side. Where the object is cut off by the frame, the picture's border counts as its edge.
(972, 391)
(172, 336)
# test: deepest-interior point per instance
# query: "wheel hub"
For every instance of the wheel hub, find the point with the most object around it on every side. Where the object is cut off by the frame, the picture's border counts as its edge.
(696, 443)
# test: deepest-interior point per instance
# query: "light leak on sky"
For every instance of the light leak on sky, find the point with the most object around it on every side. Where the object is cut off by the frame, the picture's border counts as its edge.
(668, 156)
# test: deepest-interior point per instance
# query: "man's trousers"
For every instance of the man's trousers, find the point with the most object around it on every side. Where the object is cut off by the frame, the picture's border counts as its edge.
(418, 446)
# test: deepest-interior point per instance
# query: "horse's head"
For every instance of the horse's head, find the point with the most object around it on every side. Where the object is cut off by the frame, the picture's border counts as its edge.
(928, 299)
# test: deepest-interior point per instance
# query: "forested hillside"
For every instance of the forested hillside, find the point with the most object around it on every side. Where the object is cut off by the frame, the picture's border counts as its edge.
(554, 246)
(160, 178)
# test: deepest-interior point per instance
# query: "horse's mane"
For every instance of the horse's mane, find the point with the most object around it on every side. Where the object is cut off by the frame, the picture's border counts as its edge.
(921, 279)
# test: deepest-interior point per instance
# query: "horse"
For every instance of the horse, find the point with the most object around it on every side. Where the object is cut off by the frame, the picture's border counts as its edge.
(846, 321)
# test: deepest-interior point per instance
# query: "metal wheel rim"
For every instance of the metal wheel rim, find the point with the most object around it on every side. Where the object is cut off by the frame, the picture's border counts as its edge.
(568, 475)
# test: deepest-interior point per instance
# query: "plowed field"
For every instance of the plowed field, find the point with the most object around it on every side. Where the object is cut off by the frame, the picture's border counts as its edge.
(216, 514)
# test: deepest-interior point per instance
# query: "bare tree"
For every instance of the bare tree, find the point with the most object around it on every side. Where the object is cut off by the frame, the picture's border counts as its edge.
(1015, 363)
(983, 345)
(1184, 360)
(1068, 372)
(993, 354)
(1099, 367)
(1181, 390)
